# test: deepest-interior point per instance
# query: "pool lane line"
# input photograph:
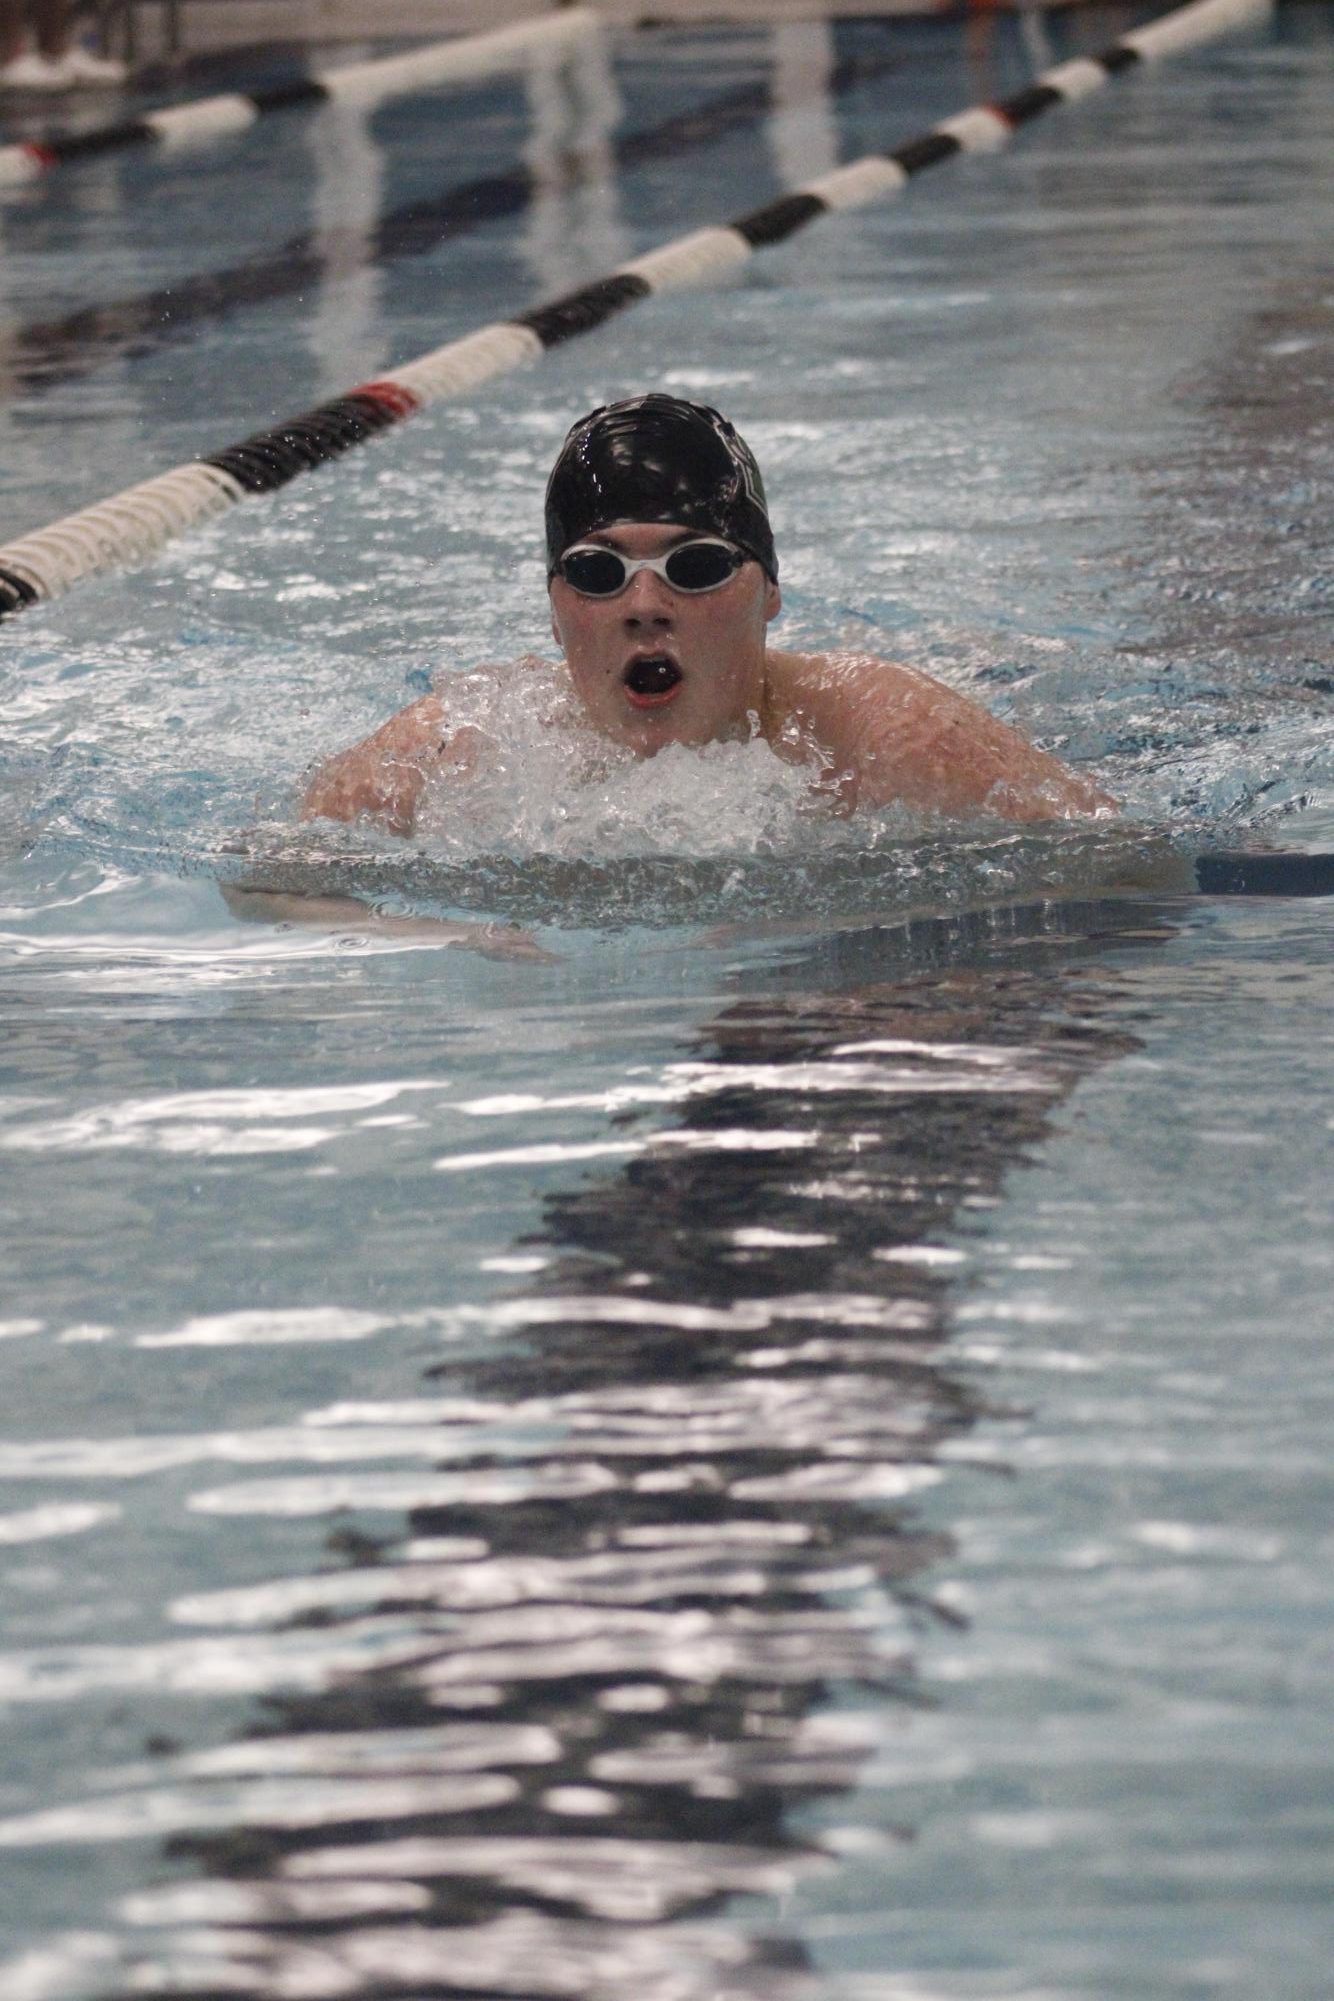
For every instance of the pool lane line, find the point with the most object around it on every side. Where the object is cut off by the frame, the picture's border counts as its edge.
(47, 353)
(1282, 872)
(132, 524)
(465, 59)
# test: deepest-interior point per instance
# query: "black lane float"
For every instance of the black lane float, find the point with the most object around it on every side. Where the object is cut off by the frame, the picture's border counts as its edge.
(132, 524)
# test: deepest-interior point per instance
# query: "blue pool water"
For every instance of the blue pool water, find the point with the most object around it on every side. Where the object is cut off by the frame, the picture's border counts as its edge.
(767, 1432)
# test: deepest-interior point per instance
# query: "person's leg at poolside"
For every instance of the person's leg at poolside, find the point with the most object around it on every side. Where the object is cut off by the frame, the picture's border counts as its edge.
(57, 62)
(50, 20)
(33, 62)
(12, 14)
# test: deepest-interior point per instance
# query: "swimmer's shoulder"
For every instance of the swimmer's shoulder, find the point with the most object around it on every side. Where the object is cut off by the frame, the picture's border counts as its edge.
(895, 735)
(814, 690)
(790, 682)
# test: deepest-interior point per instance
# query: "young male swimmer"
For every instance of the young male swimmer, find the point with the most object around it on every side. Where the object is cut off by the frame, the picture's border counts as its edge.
(663, 580)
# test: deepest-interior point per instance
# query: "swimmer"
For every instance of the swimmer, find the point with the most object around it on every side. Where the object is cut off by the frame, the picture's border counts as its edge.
(663, 581)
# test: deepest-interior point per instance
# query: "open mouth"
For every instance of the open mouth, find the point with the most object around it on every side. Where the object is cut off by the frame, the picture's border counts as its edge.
(651, 679)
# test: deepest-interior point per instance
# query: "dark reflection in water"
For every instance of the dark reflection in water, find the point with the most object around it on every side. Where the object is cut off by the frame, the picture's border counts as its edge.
(629, 1640)
(46, 354)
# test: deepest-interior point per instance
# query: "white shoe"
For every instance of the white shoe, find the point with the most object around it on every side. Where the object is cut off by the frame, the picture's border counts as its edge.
(86, 71)
(32, 71)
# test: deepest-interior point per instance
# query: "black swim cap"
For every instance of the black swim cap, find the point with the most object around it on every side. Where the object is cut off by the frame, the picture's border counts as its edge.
(658, 458)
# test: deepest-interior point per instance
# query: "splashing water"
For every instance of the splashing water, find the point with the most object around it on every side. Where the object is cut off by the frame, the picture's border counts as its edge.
(543, 783)
(542, 820)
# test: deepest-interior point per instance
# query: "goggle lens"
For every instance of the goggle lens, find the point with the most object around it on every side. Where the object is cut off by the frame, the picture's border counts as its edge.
(595, 573)
(702, 566)
(692, 566)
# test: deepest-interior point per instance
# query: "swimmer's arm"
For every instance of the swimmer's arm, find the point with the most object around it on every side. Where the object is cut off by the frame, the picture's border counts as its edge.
(895, 735)
(382, 777)
(254, 904)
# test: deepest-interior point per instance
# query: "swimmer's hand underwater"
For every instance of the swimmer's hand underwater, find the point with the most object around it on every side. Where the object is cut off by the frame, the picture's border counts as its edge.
(254, 904)
(663, 580)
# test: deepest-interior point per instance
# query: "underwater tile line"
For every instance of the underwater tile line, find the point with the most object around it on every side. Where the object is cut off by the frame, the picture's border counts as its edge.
(132, 524)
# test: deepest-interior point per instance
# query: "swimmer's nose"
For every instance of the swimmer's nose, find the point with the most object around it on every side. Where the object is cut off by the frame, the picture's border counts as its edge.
(648, 600)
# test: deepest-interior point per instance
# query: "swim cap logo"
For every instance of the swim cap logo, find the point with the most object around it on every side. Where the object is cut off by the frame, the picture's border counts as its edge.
(750, 473)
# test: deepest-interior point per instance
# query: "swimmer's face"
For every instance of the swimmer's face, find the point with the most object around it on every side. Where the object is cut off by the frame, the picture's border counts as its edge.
(655, 666)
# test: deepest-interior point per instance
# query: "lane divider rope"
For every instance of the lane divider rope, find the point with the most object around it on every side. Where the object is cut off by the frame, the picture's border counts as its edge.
(44, 355)
(463, 60)
(132, 524)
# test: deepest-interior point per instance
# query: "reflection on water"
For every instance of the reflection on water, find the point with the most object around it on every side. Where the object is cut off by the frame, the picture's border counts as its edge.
(784, 866)
(584, 1694)
(566, 192)
(667, 1585)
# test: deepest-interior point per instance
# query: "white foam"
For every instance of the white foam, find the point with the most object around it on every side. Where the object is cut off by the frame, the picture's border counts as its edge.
(544, 784)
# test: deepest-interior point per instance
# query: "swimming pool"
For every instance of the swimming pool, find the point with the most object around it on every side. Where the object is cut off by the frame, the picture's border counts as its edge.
(769, 1439)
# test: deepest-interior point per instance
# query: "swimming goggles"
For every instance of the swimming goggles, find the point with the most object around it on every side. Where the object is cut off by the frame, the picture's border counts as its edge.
(701, 565)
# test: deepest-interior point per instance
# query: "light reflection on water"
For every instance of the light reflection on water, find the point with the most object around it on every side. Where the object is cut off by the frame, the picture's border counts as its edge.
(733, 1465)
(631, 1645)
(535, 1745)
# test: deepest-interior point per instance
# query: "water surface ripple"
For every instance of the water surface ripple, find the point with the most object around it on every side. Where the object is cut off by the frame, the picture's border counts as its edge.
(662, 1522)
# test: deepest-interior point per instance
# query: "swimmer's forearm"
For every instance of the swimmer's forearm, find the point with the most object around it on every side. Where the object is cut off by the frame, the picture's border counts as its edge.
(254, 904)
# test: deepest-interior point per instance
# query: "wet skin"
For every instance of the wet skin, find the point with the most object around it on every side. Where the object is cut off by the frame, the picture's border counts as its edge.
(704, 651)
(654, 666)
